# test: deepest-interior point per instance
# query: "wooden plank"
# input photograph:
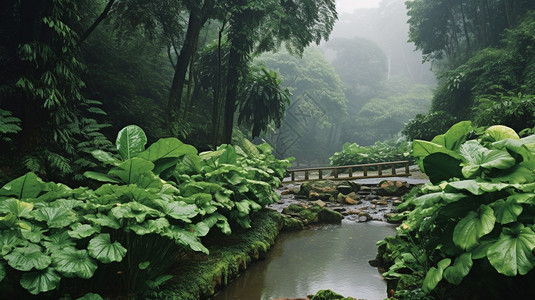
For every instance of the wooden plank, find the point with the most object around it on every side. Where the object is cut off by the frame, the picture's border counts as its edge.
(336, 173)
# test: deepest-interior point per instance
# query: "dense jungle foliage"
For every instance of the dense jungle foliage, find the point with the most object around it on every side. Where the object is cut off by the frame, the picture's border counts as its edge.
(75, 72)
(161, 199)
(470, 232)
(483, 56)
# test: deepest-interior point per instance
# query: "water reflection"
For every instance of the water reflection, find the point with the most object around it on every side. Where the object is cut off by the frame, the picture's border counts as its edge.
(301, 263)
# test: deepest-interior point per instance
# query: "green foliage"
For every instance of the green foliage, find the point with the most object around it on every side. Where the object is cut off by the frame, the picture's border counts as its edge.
(515, 111)
(318, 105)
(328, 295)
(444, 29)
(8, 125)
(56, 127)
(425, 127)
(383, 117)
(476, 218)
(492, 85)
(263, 102)
(390, 150)
(161, 199)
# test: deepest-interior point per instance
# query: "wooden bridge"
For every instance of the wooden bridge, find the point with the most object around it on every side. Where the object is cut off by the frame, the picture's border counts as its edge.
(376, 170)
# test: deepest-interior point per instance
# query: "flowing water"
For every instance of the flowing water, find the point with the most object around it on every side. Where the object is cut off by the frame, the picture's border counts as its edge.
(329, 257)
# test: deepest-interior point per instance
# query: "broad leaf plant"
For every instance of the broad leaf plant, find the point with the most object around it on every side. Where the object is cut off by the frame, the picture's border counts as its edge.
(153, 204)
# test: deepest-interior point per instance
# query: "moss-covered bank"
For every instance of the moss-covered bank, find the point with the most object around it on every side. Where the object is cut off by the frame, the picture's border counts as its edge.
(199, 276)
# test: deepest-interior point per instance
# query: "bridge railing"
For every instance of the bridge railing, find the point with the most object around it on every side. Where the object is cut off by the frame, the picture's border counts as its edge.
(375, 170)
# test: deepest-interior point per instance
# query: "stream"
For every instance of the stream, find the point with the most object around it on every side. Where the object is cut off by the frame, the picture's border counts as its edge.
(328, 257)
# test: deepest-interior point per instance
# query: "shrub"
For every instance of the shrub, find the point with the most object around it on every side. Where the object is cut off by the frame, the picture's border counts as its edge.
(390, 150)
(160, 200)
(473, 226)
(425, 127)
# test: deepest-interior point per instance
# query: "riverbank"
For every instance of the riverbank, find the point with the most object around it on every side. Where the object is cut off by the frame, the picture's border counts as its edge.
(200, 276)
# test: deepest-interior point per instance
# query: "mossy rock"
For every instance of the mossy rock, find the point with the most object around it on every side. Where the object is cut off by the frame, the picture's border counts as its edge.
(327, 190)
(326, 215)
(319, 186)
(393, 188)
(313, 214)
(292, 224)
(346, 187)
(330, 216)
(328, 295)
(292, 208)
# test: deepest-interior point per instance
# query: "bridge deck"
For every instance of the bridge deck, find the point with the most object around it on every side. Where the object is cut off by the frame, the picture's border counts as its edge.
(376, 170)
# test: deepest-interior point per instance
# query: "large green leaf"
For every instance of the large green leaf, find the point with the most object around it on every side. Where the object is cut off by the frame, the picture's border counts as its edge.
(228, 157)
(455, 136)
(32, 232)
(57, 242)
(476, 156)
(440, 166)
(80, 231)
(104, 220)
(18, 208)
(455, 274)
(471, 228)
(471, 186)
(501, 132)
(100, 177)
(178, 210)
(422, 149)
(434, 275)
(190, 188)
(188, 239)
(74, 263)
(507, 211)
(9, 239)
(101, 248)
(134, 210)
(150, 226)
(515, 146)
(131, 141)
(218, 220)
(513, 252)
(27, 258)
(105, 157)
(520, 173)
(167, 148)
(522, 198)
(131, 170)
(55, 217)
(40, 281)
(26, 186)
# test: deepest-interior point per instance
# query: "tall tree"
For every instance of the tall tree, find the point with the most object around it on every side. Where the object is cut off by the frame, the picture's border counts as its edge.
(260, 26)
(453, 30)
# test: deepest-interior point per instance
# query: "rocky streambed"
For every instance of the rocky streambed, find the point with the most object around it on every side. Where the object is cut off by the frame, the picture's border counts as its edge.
(362, 201)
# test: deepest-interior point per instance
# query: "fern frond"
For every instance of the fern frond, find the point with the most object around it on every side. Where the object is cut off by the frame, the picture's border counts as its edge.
(33, 164)
(8, 123)
(59, 162)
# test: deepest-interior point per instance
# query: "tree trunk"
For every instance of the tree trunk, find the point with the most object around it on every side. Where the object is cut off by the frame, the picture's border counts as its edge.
(181, 68)
(232, 90)
(217, 90)
(198, 17)
(99, 20)
(467, 36)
